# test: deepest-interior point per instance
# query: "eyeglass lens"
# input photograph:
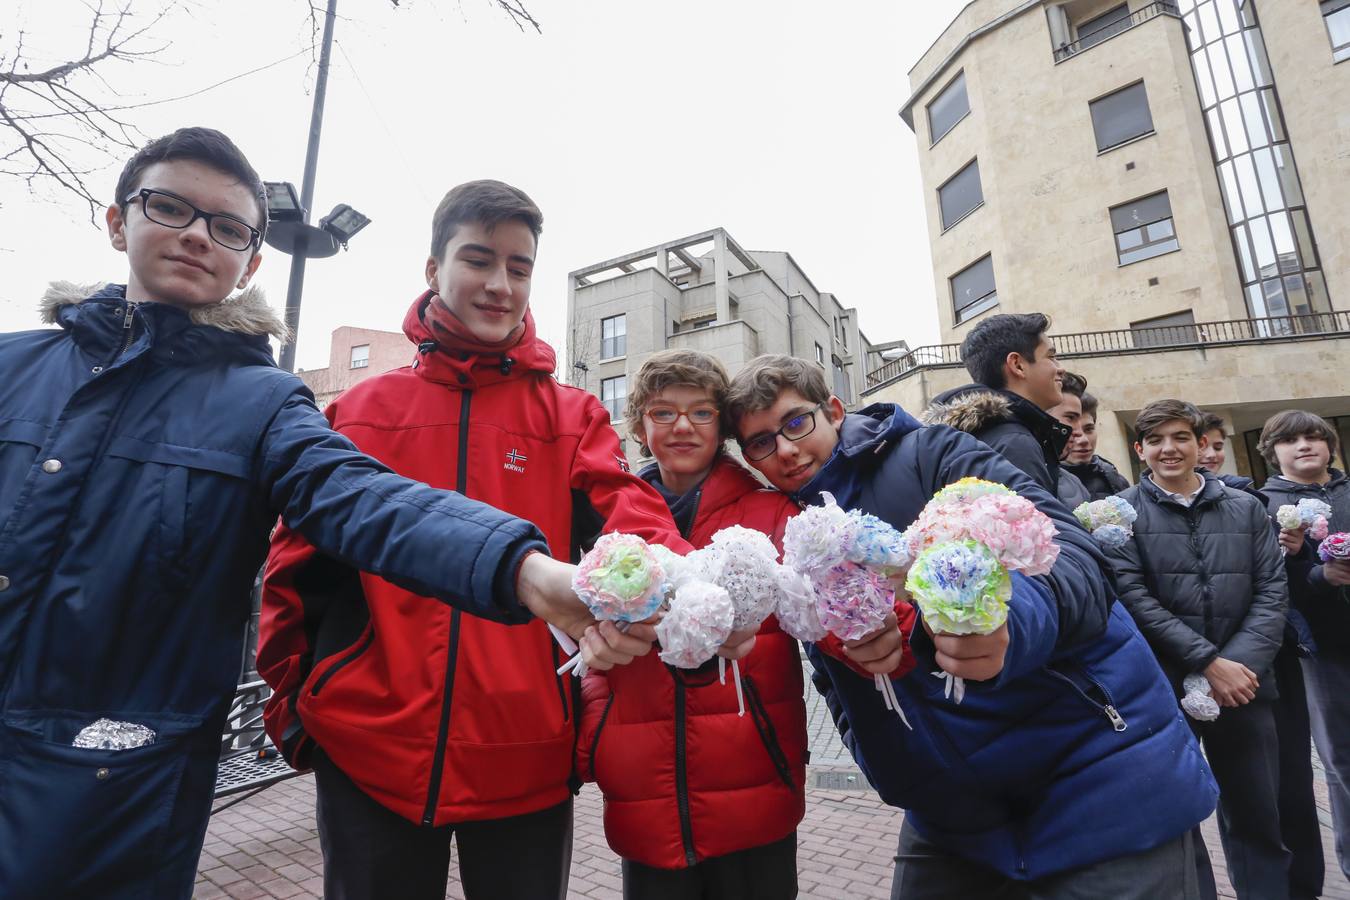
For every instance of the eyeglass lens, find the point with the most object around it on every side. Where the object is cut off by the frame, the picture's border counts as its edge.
(165, 209)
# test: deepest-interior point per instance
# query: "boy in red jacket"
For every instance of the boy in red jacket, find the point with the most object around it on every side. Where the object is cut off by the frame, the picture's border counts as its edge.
(421, 722)
(701, 802)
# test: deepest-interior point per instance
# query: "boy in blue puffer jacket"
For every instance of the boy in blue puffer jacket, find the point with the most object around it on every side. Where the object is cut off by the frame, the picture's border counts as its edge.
(148, 445)
(1067, 770)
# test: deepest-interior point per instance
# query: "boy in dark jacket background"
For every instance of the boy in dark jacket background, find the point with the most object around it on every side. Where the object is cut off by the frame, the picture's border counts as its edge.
(147, 447)
(1100, 477)
(1203, 578)
(1300, 445)
(1067, 769)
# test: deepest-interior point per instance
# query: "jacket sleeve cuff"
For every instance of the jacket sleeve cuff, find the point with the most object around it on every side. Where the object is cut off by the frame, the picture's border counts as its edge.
(508, 577)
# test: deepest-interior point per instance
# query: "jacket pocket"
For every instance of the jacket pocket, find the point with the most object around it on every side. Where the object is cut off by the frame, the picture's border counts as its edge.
(343, 660)
(1090, 690)
(595, 742)
(767, 735)
(76, 822)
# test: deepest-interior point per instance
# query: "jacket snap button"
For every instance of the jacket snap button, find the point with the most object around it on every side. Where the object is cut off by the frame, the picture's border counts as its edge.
(102, 774)
(51, 466)
(96, 369)
(4, 582)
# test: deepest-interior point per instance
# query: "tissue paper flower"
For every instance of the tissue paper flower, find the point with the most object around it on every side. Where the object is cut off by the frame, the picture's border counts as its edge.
(620, 579)
(698, 622)
(960, 588)
(1334, 546)
(1110, 520)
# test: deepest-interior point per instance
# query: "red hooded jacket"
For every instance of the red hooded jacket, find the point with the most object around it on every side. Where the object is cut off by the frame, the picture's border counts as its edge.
(440, 716)
(684, 777)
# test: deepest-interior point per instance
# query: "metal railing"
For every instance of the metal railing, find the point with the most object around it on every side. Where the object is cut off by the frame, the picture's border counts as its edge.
(1119, 26)
(1231, 332)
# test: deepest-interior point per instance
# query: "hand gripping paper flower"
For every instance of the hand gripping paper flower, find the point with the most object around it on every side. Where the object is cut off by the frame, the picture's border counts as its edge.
(1197, 701)
(1334, 546)
(1309, 514)
(969, 537)
(1110, 520)
(846, 558)
(619, 579)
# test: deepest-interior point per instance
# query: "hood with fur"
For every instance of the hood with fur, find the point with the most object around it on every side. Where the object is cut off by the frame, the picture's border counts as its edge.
(970, 409)
(244, 313)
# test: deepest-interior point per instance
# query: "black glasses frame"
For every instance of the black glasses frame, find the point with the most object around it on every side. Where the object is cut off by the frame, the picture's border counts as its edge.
(772, 439)
(145, 194)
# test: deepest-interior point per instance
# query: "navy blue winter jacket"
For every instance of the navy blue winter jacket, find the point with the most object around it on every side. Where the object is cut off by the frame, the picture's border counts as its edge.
(1077, 752)
(145, 454)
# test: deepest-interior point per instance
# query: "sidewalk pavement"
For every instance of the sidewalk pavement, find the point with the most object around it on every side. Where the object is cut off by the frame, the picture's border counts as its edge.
(268, 846)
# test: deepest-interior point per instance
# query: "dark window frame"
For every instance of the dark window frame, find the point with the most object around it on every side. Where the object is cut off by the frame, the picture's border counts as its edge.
(1137, 136)
(614, 401)
(1336, 8)
(618, 343)
(933, 138)
(979, 183)
(981, 304)
(1142, 227)
(364, 362)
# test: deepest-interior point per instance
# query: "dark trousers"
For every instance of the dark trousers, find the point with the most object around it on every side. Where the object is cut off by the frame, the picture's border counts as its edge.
(370, 853)
(924, 871)
(1244, 753)
(1328, 680)
(1299, 826)
(768, 872)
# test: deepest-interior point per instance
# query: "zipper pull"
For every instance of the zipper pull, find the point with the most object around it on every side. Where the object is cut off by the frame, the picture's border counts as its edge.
(131, 311)
(1117, 722)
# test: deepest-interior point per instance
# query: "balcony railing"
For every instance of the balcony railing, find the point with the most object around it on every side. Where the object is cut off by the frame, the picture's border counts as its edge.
(1232, 332)
(1120, 26)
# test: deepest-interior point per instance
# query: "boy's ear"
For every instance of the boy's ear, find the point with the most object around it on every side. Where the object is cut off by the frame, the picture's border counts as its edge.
(117, 225)
(1139, 450)
(1014, 366)
(834, 409)
(433, 270)
(249, 270)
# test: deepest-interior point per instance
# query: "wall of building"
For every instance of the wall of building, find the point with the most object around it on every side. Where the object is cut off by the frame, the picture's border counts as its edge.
(388, 350)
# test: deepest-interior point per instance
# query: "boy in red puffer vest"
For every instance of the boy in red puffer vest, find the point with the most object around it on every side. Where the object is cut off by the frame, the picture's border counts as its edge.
(422, 723)
(700, 801)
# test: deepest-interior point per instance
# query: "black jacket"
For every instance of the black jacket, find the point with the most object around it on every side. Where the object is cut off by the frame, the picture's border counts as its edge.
(1023, 433)
(1204, 581)
(1099, 476)
(1326, 606)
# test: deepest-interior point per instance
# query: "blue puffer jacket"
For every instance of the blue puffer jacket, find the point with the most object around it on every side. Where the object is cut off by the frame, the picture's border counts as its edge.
(144, 457)
(1077, 752)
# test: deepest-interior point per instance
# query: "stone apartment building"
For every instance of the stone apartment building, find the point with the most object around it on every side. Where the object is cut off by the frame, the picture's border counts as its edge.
(1166, 180)
(355, 354)
(705, 292)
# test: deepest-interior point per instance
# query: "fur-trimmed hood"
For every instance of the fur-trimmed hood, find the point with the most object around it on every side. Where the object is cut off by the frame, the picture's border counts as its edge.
(969, 409)
(244, 313)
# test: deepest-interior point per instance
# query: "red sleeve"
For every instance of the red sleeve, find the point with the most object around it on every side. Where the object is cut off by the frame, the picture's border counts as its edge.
(904, 614)
(595, 694)
(626, 502)
(282, 643)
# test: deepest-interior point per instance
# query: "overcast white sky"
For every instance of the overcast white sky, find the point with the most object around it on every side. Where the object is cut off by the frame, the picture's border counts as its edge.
(628, 121)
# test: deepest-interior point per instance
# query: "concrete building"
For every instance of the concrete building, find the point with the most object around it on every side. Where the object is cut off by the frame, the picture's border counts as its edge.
(704, 292)
(1166, 180)
(355, 354)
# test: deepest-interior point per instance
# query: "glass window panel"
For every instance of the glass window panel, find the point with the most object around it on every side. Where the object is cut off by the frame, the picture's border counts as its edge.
(1284, 243)
(1160, 230)
(1244, 253)
(971, 286)
(1209, 22)
(1216, 134)
(1317, 291)
(1256, 125)
(1223, 77)
(1331, 6)
(1273, 117)
(1264, 249)
(1251, 193)
(1203, 80)
(1270, 183)
(1284, 165)
(1303, 235)
(1121, 116)
(1256, 303)
(948, 108)
(1141, 212)
(1296, 292)
(1228, 17)
(1248, 12)
(1233, 126)
(1276, 304)
(1231, 198)
(1192, 33)
(960, 194)
(1256, 52)
(1148, 251)
(1243, 78)
(1338, 29)
(1128, 240)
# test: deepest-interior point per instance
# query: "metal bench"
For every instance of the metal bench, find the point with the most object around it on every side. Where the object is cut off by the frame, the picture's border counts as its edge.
(248, 761)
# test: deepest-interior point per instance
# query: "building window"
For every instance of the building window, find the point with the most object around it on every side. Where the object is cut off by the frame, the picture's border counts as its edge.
(1108, 24)
(820, 355)
(705, 323)
(948, 108)
(1121, 116)
(842, 388)
(1143, 228)
(1337, 14)
(961, 195)
(613, 337)
(361, 356)
(613, 393)
(1163, 331)
(973, 289)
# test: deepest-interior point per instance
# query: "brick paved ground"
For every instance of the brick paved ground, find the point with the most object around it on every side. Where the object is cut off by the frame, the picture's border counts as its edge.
(267, 846)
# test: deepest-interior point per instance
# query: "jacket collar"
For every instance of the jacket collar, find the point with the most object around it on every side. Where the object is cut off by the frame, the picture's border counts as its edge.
(468, 371)
(864, 435)
(1211, 491)
(974, 407)
(1284, 485)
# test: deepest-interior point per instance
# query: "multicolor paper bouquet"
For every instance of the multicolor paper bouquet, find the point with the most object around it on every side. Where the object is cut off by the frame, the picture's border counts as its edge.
(1334, 546)
(969, 537)
(1110, 520)
(1309, 514)
(620, 579)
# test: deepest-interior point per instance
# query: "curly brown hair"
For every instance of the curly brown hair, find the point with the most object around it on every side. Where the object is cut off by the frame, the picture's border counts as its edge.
(668, 368)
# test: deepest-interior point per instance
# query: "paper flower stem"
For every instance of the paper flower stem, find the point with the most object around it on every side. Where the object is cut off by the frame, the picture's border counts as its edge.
(721, 670)
(740, 694)
(888, 696)
(955, 686)
(575, 665)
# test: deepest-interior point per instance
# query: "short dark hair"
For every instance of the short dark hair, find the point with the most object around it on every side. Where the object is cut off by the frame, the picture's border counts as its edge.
(1290, 424)
(1074, 384)
(757, 386)
(1159, 412)
(485, 202)
(203, 145)
(1212, 422)
(987, 346)
(1090, 405)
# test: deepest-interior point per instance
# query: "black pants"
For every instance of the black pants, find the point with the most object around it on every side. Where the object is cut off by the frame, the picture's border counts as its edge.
(1299, 826)
(1243, 750)
(370, 853)
(758, 873)
(924, 871)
